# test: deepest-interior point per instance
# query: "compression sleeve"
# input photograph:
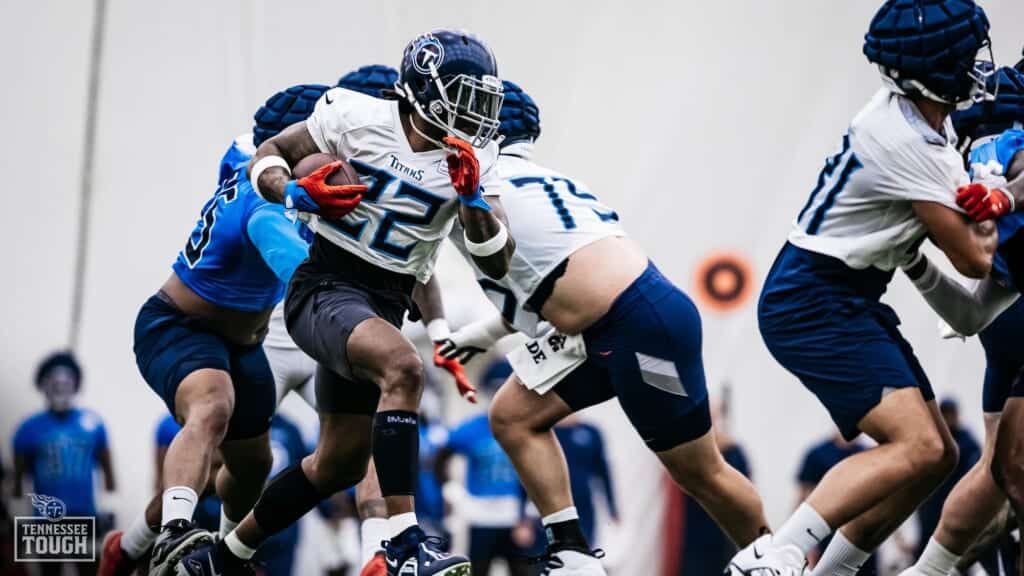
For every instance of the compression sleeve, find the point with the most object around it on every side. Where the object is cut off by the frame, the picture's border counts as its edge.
(277, 239)
(968, 312)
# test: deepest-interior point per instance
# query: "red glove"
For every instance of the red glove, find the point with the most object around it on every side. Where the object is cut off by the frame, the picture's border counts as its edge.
(983, 203)
(332, 202)
(454, 367)
(463, 168)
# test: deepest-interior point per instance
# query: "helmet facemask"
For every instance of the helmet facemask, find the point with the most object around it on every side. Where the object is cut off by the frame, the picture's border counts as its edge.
(981, 73)
(465, 106)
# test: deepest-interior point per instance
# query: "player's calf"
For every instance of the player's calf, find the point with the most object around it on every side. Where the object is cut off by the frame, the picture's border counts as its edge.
(241, 479)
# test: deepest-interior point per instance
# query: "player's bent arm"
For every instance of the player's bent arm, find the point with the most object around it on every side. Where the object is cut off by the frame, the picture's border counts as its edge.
(968, 312)
(969, 246)
(483, 229)
(293, 144)
(277, 240)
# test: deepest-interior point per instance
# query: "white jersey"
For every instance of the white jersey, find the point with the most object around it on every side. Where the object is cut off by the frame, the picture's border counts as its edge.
(549, 217)
(860, 211)
(410, 205)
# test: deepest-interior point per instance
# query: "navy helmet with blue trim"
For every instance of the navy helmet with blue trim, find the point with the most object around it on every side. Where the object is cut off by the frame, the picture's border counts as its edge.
(285, 108)
(375, 80)
(930, 47)
(995, 117)
(450, 78)
(519, 117)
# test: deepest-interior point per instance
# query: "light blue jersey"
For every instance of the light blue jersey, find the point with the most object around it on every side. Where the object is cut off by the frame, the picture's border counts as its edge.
(1001, 151)
(243, 249)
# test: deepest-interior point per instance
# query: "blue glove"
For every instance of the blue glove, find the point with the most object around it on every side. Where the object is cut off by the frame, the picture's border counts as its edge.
(296, 197)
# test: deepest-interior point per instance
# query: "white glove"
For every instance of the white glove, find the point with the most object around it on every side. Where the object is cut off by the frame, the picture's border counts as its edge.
(473, 338)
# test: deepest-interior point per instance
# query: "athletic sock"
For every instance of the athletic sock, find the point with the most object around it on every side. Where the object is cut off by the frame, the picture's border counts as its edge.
(936, 560)
(564, 532)
(373, 532)
(841, 558)
(138, 537)
(396, 447)
(226, 524)
(179, 502)
(238, 548)
(400, 523)
(805, 529)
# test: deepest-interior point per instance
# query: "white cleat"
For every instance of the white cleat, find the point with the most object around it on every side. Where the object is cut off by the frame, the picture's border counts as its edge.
(762, 558)
(572, 563)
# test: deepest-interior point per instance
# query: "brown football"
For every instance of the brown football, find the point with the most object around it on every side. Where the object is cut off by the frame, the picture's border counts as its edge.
(346, 175)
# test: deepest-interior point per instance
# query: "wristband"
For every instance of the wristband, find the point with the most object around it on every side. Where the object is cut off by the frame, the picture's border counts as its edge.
(261, 165)
(437, 329)
(488, 247)
(476, 200)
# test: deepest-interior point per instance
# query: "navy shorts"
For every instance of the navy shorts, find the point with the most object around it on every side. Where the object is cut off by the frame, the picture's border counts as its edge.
(647, 352)
(170, 345)
(329, 295)
(823, 322)
(1004, 358)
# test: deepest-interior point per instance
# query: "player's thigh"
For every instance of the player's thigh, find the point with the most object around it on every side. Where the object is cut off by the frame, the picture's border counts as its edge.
(255, 395)
(514, 407)
(903, 414)
(347, 329)
(335, 394)
(379, 352)
(181, 362)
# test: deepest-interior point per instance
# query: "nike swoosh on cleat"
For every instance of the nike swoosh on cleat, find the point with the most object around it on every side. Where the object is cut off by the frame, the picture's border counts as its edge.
(757, 555)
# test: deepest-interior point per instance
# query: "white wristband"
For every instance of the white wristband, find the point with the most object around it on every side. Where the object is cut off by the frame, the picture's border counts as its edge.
(437, 329)
(488, 247)
(261, 165)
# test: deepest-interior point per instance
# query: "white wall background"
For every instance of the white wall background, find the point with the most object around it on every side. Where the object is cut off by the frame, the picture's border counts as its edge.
(703, 123)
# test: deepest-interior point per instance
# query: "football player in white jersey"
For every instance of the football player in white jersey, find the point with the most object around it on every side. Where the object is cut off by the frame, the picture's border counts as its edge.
(605, 324)
(892, 183)
(424, 161)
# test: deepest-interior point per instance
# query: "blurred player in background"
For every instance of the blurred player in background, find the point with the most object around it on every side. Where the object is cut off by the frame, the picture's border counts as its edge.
(374, 243)
(993, 137)
(892, 183)
(619, 328)
(59, 449)
(494, 503)
(589, 474)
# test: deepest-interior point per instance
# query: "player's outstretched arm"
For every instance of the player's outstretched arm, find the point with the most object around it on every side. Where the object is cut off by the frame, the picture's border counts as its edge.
(293, 144)
(968, 245)
(966, 311)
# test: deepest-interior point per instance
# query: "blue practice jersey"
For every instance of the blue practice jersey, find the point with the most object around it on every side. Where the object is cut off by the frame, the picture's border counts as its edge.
(429, 497)
(243, 249)
(489, 472)
(1001, 151)
(166, 430)
(62, 451)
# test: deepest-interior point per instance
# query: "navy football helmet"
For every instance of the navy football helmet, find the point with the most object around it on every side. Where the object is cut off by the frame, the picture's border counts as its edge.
(373, 80)
(995, 117)
(931, 47)
(450, 78)
(285, 108)
(520, 117)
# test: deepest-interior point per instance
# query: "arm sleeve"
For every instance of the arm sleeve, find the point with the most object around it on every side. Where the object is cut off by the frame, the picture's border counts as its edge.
(967, 312)
(603, 472)
(277, 239)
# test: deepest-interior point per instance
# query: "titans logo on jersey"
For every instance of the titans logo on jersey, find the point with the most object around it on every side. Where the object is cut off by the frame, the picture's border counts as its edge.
(219, 262)
(410, 205)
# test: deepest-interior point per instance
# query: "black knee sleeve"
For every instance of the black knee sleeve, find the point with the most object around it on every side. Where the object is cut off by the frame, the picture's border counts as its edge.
(285, 499)
(396, 448)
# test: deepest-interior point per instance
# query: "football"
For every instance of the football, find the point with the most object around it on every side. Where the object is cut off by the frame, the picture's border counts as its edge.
(346, 175)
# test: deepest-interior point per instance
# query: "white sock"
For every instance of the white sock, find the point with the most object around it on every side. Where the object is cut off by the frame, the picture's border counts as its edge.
(138, 537)
(841, 558)
(237, 547)
(563, 515)
(226, 524)
(373, 532)
(179, 504)
(400, 522)
(936, 560)
(804, 529)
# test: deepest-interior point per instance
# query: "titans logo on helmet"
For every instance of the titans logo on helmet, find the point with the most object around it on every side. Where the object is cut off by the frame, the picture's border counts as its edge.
(428, 51)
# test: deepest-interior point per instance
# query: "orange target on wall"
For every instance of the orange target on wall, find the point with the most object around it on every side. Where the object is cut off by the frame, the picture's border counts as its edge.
(723, 281)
